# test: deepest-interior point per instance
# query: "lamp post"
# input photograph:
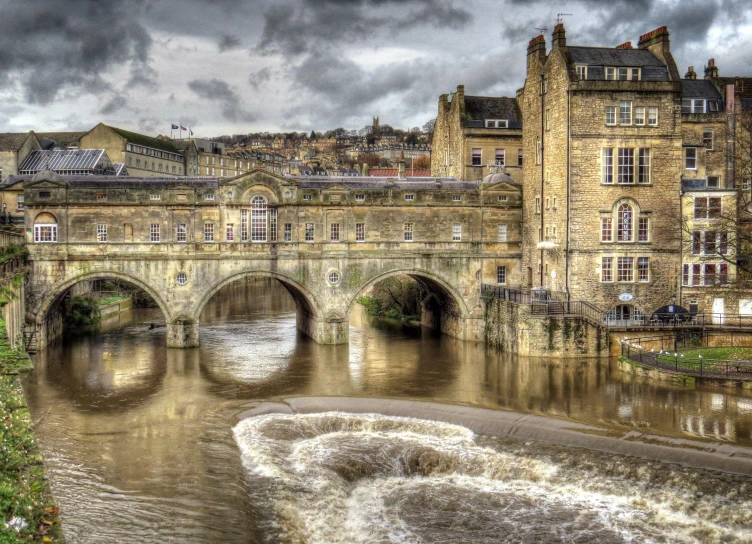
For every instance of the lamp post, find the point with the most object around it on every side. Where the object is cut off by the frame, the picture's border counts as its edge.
(672, 311)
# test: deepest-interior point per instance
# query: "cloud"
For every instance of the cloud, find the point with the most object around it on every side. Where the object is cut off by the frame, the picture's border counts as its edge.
(220, 92)
(47, 47)
(259, 77)
(114, 105)
(228, 42)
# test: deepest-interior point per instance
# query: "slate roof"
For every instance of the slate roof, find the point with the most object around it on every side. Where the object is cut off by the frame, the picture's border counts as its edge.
(128, 182)
(699, 88)
(148, 141)
(609, 56)
(492, 107)
(381, 183)
(746, 104)
(12, 141)
(62, 139)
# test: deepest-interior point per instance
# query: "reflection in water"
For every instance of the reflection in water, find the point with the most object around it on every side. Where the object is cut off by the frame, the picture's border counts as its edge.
(138, 438)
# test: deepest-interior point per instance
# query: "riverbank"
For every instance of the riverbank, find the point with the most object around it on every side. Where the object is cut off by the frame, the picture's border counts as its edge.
(27, 509)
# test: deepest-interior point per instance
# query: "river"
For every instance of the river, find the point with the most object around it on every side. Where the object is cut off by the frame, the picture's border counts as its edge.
(144, 444)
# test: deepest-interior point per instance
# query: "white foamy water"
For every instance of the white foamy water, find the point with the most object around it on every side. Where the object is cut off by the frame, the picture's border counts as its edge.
(350, 478)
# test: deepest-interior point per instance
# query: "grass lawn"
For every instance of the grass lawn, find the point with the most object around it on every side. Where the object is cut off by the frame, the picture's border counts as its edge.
(109, 300)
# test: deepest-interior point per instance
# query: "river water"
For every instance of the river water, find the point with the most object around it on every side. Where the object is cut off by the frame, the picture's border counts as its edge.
(144, 444)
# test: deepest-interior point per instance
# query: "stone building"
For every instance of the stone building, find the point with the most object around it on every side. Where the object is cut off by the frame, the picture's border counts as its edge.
(14, 147)
(475, 136)
(601, 186)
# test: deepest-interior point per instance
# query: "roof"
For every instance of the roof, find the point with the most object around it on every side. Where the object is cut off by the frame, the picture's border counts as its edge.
(12, 141)
(148, 141)
(492, 107)
(63, 159)
(699, 88)
(394, 172)
(609, 56)
(746, 104)
(499, 177)
(183, 145)
(128, 182)
(382, 183)
(63, 139)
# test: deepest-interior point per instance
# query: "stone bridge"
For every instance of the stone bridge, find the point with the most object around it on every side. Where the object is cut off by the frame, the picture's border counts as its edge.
(328, 241)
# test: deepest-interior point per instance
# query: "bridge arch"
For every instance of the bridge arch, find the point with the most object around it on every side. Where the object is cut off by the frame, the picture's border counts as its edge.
(55, 292)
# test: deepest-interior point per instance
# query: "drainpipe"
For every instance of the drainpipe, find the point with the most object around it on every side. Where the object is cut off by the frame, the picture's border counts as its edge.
(543, 171)
(569, 152)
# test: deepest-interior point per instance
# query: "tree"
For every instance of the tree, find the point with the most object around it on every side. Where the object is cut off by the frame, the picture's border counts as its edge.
(313, 135)
(429, 126)
(411, 139)
(371, 159)
(423, 162)
(384, 162)
(397, 297)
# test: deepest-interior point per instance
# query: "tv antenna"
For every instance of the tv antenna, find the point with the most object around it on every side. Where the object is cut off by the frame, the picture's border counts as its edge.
(541, 30)
(560, 17)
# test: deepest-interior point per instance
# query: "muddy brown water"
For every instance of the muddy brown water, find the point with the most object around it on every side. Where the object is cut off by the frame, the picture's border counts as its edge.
(143, 444)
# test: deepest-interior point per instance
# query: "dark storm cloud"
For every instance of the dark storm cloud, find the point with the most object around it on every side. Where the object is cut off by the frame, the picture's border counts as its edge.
(48, 46)
(259, 77)
(228, 42)
(219, 92)
(293, 29)
(113, 105)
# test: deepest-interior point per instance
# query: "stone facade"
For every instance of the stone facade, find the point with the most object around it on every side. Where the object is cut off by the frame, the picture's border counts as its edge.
(327, 241)
(468, 123)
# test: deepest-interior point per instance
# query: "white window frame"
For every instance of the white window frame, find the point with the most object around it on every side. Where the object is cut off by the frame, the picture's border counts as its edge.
(610, 116)
(456, 232)
(155, 197)
(581, 71)
(456, 198)
(230, 232)
(410, 197)
(208, 232)
(154, 232)
(607, 162)
(712, 138)
(360, 198)
(360, 232)
(310, 232)
(625, 109)
(501, 275)
(334, 232)
(652, 116)
(408, 232)
(209, 196)
(181, 232)
(101, 233)
(19, 202)
(640, 117)
(38, 230)
(693, 158)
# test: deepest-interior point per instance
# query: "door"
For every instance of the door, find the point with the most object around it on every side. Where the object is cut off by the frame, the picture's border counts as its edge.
(719, 311)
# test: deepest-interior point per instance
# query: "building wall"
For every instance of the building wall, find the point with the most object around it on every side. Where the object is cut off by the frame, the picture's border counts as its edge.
(11, 160)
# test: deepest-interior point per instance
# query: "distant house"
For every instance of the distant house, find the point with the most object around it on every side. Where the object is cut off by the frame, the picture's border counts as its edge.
(60, 140)
(14, 147)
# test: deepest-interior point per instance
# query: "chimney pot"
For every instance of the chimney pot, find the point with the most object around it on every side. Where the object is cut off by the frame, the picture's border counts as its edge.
(560, 36)
(625, 45)
(691, 74)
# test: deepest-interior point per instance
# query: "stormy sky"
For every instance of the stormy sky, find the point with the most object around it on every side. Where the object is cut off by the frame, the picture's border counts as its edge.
(238, 66)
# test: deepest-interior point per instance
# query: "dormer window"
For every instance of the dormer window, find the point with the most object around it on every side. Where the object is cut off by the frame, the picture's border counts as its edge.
(694, 105)
(497, 123)
(581, 71)
(623, 74)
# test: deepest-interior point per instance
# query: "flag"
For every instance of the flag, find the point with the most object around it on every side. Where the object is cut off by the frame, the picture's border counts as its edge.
(174, 127)
(182, 127)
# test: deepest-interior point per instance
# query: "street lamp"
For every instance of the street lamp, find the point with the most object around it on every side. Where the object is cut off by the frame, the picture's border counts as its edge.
(672, 311)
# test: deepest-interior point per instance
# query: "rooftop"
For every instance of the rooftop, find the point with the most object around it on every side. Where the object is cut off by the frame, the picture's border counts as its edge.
(147, 141)
(609, 56)
(492, 107)
(126, 182)
(63, 160)
(12, 141)
(62, 139)
(699, 88)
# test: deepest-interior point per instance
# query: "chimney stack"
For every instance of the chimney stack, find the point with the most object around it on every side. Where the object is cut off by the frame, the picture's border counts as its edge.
(625, 45)
(536, 48)
(401, 175)
(711, 70)
(691, 74)
(560, 36)
(657, 41)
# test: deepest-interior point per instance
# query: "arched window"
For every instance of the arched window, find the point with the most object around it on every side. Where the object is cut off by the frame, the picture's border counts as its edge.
(45, 228)
(624, 223)
(258, 219)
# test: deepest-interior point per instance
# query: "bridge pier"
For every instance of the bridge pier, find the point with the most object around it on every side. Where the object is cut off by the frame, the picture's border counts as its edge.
(330, 330)
(182, 333)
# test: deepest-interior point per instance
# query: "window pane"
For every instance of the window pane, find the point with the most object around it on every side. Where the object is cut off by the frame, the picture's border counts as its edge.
(258, 219)
(607, 269)
(606, 229)
(624, 269)
(501, 274)
(624, 226)
(625, 112)
(626, 165)
(643, 175)
(608, 165)
(642, 229)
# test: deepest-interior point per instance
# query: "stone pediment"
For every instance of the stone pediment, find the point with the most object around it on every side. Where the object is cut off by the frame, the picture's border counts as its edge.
(45, 184)
(503, 186)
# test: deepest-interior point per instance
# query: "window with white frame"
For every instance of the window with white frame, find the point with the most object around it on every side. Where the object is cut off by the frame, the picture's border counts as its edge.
(625, 165)
(643, 166)
(581, 71)
(610, 115)
(607, 161)
(101, 196)
(502, 198)
(208, 232)
(360, 198)
(209, 196)
(288, 232)
(154, 232)
(643, 229)
(690, 158)
(181, 232)
(501, 275)
(155, 197)
(643, 269)
(309, 232)
(456, 232)
(606, 229)
(694, 105)
(272, 224)
(500, 157)
(19, 202)
(625, 112)
(548, 119)
(713, 182)
(707, 207)
(607, 269)
(101, 233)
(334, 232)
(230, 232)
(408, 232)
(477, 156)
(537, 204)
(639, 117)
(308, 197)
(243, 225)
(624, 269)
(360, 232)
(410, 197)
(707, 274)
(258, 219)
(707, 138)
(538, 150)
(652, 116)
(501, 233)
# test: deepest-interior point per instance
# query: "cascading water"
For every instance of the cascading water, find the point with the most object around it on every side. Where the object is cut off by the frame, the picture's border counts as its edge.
(336, 478)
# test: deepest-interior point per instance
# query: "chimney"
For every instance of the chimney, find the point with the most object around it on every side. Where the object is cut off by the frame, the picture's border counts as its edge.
(625, 45)
(691, 74)
(657, 41)
(711, 70)
(460, 90)
(401, 163)
(443, 103)
(560, 37)
(536, 48)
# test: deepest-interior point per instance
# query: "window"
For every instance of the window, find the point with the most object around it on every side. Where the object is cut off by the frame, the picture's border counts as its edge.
(181, 232)
(500, 157)
(309, 231)
(714, 182)
(707, 138)
(548, 119)
(497, 123)
(538, 150)
(101, 233)
(19, 203)
(181, 197)
(456, 232)
(408, 232)
(456, 198)
(288, 232)
(625, 165)
(334, 232)
(723, 243)
(537, 204)
(606, 229)
(607, 269)
(208, 232)
(581, 71)
(181, 278)
(519, 157)
(230, 233)
(258, 219)
(639, 119)
(554, 206)
(608, 165)
(501, 275)
(333, 278)
(209, 196)
(643, 269)
(624, 223)
(501, 234)
(548, 203)
(707, 207)
(690, 158)
(410, 197)
(643, 165)
(625, 112)
(503, 198)
(653, 116)
(610, 115)
(694, 105)
(643, 229)
(308, 197)
(360, 198)
(273, 224)
(155, 197)
(243, 225)
(101, 196)
(623, 74)
(154, 232)
(624, 267)
(477, 156)
(360, 232)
